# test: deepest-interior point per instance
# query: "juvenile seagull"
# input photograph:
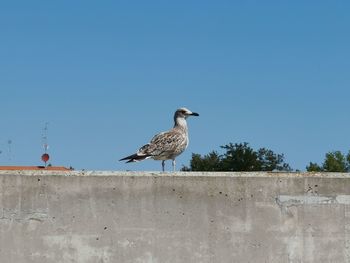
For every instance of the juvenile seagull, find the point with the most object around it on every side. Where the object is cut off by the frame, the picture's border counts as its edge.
(166, 145)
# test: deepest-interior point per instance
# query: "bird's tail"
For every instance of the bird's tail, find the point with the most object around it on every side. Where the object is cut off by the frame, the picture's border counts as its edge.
(135, 158)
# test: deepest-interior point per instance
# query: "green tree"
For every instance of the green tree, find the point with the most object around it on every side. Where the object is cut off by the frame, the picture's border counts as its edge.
(314, 167)
(209, 162)
(348, 161)
(238, 157)
(334, 162)
(270, 161)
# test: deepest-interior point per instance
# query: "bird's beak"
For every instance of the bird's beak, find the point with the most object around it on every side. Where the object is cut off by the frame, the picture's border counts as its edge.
(194, 114)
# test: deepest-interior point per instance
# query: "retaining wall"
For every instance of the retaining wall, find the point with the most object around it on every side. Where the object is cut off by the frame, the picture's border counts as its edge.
(100, 217)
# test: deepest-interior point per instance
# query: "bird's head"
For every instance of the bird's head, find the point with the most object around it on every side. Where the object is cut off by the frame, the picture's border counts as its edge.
(184, 113)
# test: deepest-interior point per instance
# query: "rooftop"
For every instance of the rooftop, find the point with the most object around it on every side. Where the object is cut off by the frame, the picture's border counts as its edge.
(33, 168)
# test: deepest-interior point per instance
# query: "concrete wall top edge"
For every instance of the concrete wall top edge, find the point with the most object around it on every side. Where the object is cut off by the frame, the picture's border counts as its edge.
(178, 174)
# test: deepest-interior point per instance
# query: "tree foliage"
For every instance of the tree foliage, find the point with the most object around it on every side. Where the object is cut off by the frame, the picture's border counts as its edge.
(334, 161)
(238, 157)
(313, 167)
(209, 162)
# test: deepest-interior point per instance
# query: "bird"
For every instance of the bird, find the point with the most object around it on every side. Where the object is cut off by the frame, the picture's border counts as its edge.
(166, 145)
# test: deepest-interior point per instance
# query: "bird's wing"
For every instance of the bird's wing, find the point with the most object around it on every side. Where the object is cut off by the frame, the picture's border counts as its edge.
(161, 143)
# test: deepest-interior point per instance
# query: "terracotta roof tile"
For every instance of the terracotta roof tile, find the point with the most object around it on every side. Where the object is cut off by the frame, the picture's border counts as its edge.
(51, 168)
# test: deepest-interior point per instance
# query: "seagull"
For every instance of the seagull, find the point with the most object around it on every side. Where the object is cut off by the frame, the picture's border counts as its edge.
(166, 145)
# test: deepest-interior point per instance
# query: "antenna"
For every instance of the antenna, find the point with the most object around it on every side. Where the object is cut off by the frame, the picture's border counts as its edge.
(45, 157)
(2, 151)
(9, 149)
(44, 137)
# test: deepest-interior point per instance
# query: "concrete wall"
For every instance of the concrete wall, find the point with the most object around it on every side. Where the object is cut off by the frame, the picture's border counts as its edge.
(95, 217)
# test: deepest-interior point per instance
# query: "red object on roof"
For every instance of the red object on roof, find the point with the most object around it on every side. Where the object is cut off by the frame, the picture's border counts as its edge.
(45, 157)
(51, 168)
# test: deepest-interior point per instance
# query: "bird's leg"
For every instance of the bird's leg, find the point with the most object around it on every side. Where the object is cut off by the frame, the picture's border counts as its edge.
(174, 164)
(163, 165)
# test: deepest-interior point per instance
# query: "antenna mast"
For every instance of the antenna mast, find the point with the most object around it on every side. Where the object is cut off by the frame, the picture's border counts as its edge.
(45, 157)
(9, 149)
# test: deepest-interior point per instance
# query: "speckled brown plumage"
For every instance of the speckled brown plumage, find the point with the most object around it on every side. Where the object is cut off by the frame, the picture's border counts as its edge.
(166, 145)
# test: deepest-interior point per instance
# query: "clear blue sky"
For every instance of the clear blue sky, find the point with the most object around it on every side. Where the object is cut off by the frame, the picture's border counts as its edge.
(108, 75)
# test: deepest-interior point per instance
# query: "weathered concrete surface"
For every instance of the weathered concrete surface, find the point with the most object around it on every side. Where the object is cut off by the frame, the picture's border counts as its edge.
(95, 217)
